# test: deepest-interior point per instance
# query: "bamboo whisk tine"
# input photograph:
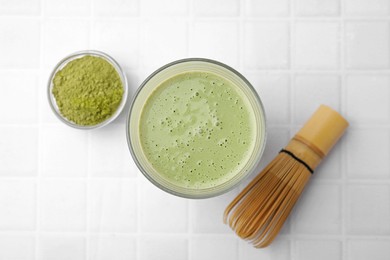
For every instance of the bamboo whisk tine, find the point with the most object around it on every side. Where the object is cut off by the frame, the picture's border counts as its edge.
(258, 213)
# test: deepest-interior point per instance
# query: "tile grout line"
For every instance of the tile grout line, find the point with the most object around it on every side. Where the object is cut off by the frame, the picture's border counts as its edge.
(314, 236)
(87, 186)
(138, 216)
(343, 96)
(40, 139)
(88, 210)
(252, 70)
(241, 45)
(140, 67)
(376, 181)
(382, 180)
(38, 194)
(317, 18)
(289, 75)
(241, 36)
(291, 63)
(280, 126)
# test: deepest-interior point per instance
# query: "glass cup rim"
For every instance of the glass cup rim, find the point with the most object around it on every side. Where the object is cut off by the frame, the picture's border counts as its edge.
(133, 154)
(66, 60)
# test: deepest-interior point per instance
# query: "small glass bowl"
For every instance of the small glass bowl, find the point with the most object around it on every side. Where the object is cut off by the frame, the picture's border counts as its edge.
(160, 76)
(62, 64)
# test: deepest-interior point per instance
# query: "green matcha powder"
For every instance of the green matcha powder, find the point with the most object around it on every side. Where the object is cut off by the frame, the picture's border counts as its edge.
(87, 90)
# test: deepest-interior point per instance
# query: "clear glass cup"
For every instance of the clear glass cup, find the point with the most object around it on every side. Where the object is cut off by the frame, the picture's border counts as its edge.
(161, 75)
(60, 65)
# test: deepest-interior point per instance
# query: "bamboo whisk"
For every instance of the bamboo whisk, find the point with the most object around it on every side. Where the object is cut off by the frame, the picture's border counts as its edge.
(258, 213)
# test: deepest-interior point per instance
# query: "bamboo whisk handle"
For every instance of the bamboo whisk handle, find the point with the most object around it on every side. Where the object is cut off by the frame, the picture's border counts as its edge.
(317, 137)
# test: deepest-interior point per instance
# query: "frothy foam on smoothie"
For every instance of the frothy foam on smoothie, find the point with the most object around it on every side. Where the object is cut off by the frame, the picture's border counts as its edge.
(197, 130)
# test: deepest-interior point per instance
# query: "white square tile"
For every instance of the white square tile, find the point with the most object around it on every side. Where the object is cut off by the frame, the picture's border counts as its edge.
(18, 144)
(116, 8)
(368, 99)
(17, 202)
(63, 205)
(172, 248)
(108, 247)
(119, 39)
(161, 212)
(216, 8)
(368, 209)
(19, 94)
(312, 90)
(63, 37)
(64, 152)
(134, 80)
(113, 206)
(277, 138)
(164, 8)
(316, 45)
(266, 45)
(221, 43)
(267, 7)
(317, 7)
(367, 7)
(67, 8)
(318, 210)
(61, 247)
(330, 167)
(278, 250)
(14, 52)
(21, 7)
(46, 114)
(367, 45)
(11, 245)
(274, 92)
(163, 42)
(363, 249)
(368, 153)
(110, 154)
(319, 249)
(214, 247)
(207, 214)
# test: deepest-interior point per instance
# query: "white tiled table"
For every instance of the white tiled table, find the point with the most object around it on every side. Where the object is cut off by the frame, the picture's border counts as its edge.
(69, 194)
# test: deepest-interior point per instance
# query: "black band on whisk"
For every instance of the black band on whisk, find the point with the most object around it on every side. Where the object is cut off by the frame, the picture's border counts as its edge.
(297, 159)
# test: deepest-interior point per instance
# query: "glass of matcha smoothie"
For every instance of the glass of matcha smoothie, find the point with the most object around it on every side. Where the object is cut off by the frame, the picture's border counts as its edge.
(196, 128)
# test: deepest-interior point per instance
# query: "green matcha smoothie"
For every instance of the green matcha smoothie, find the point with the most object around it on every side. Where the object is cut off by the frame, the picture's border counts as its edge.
(197, 130)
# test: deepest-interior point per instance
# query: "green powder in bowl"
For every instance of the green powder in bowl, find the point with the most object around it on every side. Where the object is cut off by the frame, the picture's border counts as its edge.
(87, 90)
